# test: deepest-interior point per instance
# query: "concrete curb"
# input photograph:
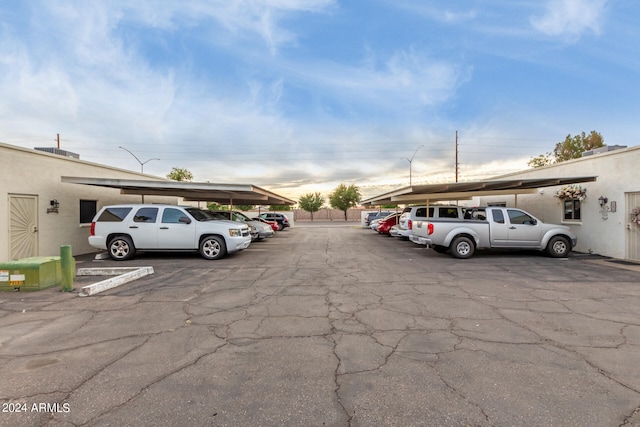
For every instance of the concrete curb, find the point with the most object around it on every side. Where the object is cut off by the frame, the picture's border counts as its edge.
(123, 275)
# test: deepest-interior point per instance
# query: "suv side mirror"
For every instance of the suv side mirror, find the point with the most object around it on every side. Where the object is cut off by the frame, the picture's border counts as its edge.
(184, 220)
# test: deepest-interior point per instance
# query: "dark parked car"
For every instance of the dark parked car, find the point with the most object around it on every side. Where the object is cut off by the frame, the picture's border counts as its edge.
(281, 219)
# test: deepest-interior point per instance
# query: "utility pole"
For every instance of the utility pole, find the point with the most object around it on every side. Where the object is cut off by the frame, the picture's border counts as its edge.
(58, 141)
(457, 164)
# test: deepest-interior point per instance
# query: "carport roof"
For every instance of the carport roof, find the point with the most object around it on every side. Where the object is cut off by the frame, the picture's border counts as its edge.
(239, 194)
(467, 190)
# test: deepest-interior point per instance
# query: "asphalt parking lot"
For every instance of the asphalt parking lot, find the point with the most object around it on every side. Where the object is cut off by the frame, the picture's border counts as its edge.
(330, 325)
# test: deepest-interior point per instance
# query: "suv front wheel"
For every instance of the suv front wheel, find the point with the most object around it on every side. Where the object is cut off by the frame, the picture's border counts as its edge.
(213, 247)
(121, 248)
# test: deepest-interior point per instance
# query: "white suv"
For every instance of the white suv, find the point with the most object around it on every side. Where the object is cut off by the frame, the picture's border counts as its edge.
(124, 229)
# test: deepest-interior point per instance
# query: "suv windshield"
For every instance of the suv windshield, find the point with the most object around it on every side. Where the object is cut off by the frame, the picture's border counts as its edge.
(242, 217)
(201, 215)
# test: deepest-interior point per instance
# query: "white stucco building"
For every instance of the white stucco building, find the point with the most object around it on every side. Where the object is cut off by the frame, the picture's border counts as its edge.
(606, 230)
(30, 222)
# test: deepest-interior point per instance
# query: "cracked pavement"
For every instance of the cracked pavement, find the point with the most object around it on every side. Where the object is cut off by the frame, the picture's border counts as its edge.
(330, 324)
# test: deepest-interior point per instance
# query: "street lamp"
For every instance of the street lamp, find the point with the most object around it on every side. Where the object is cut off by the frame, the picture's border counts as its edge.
(411, 161)
(139, 161)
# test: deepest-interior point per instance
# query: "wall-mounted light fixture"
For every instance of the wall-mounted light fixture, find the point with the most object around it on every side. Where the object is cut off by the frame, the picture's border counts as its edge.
(604, 209)
(54, 206)
(603, 201)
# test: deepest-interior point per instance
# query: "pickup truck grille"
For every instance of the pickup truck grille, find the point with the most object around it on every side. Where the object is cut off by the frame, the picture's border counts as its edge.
(245, 231)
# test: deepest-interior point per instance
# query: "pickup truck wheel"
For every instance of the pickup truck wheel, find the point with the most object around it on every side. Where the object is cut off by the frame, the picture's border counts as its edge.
(462, 247)
(121, 248)
(213, 247)
(558, 247)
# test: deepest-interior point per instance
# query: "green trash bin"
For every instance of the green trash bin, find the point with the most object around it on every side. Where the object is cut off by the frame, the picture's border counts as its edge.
(30, 274)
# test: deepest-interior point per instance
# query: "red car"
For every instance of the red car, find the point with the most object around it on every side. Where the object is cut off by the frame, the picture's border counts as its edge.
(274, 225)
(389, 221)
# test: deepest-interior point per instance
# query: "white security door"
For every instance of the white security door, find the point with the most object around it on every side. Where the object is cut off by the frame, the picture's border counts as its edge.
(633, 228)
(23, 226)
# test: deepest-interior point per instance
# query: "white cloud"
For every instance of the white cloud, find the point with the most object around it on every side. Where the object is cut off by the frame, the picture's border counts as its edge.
(407, 79)
(440, 13)
(240, 18)
(270, 92)
(570, 18)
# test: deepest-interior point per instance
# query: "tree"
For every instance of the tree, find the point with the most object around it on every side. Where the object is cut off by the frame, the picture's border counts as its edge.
(344, 197)
(311, 202)
(180, 174)
(571, 148)
(541, 160)
(244, 207)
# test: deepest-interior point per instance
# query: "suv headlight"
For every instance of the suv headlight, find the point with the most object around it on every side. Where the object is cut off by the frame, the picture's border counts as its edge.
(235, 232)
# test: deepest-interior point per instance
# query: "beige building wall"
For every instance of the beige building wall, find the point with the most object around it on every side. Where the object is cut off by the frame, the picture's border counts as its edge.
(35, 173)
(606, 233)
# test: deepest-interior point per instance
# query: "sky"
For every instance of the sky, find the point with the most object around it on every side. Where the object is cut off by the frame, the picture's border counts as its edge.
(298, 96)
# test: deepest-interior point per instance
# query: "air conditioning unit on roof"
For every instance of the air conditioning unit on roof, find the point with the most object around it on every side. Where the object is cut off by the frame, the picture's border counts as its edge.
(59, 152)
(604, 149)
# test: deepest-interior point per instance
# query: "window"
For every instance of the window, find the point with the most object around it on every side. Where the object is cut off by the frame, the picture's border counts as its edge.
(239, 216)
(88, 210)
(498, 216)
(571, 210)
(146, 215)
(448, 212)
(172, 216)
(201, 215)
(519, 217)
(114, 214)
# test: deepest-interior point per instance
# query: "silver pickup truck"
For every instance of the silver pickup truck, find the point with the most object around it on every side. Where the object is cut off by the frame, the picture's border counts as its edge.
(494, 227)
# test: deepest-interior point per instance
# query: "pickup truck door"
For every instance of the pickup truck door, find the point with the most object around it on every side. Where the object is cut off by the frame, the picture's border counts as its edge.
(523, 229)
(177, 230)
(499, 230)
